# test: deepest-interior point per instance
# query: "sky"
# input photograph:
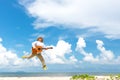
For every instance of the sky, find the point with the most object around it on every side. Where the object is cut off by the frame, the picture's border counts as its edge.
(84, 35)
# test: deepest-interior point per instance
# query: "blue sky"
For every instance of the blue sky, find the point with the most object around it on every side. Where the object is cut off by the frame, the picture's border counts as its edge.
(84, 34)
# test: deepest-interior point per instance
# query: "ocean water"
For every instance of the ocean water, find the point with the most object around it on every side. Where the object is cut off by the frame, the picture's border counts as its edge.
(51, 74)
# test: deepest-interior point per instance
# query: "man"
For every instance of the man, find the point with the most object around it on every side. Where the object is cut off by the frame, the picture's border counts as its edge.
(35, 44)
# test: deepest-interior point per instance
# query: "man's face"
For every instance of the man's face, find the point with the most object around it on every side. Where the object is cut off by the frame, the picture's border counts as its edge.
(40, 40)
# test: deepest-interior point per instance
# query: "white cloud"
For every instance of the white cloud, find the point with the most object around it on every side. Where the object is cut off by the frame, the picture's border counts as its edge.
(73, 59)
(59, 52)
(87, 56)
(11, 59)
(57, 55)
(102, 14)
(104, 57)
(81, 43)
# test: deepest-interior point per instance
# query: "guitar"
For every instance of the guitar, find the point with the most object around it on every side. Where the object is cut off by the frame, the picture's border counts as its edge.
(39, 49)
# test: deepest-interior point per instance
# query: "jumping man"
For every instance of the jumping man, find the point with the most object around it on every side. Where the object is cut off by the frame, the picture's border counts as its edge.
(35, 44)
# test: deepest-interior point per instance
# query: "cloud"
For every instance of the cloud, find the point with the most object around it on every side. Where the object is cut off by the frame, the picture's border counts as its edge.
(58, 54)
(73, 59)
(104, 57)
(97, 15)
(87, 56)
(11, 59)
(81, 43)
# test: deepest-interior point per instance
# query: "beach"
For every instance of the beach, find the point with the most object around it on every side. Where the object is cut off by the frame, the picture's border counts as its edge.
(34, 78)
(57, 76)
(53, 78)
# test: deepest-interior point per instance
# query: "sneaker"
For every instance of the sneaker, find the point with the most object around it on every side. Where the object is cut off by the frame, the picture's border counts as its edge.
(24, 57)
(44, 67)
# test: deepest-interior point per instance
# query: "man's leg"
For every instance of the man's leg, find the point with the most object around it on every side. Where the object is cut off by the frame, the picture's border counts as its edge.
(42, 61)
(32, 55)
(28, 57)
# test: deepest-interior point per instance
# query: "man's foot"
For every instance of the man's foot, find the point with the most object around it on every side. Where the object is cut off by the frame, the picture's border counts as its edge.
(24, 57)
(44, 67)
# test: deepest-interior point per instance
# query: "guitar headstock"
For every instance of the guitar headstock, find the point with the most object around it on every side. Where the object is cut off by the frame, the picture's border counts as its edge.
(50, 47)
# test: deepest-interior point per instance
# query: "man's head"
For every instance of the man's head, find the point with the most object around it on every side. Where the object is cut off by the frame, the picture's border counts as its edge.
(40, 39)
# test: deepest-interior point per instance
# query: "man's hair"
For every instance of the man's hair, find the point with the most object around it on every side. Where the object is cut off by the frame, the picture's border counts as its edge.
(40, 38)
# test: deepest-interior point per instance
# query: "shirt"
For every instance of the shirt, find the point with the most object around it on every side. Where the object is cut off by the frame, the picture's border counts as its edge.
(37, 43)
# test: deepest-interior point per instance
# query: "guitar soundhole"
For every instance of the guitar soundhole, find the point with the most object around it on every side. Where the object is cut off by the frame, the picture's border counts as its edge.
(39, 48)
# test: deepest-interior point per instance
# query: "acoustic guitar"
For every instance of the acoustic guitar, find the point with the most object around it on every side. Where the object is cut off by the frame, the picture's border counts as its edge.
(39, 49)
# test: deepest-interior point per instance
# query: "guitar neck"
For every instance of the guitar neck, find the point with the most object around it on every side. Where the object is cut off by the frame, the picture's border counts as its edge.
(48, 48)
(43, 48)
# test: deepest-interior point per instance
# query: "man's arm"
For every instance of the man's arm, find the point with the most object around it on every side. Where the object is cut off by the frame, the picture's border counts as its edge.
(34, 44)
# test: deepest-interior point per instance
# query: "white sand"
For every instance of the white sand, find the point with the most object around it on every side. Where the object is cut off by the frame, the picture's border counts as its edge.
(51, 78)
(34, 78)
(102, 78)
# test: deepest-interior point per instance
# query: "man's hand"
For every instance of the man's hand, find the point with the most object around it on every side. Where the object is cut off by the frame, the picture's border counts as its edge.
(46, 48)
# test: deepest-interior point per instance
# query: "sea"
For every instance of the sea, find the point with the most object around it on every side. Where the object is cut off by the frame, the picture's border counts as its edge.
(52, 74)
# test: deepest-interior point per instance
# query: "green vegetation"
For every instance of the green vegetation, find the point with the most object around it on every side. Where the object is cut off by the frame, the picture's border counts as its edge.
(118, 76)
(111, 77)
(115, 77)
(89, 77)
(83, 77)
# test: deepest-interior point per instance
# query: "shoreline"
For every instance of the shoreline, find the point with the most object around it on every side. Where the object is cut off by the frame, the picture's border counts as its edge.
(102, 77)
(54, 76)
(35, 78)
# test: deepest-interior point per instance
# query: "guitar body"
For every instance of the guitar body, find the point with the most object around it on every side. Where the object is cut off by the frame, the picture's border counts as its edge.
(39, 49)
(36, 50)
